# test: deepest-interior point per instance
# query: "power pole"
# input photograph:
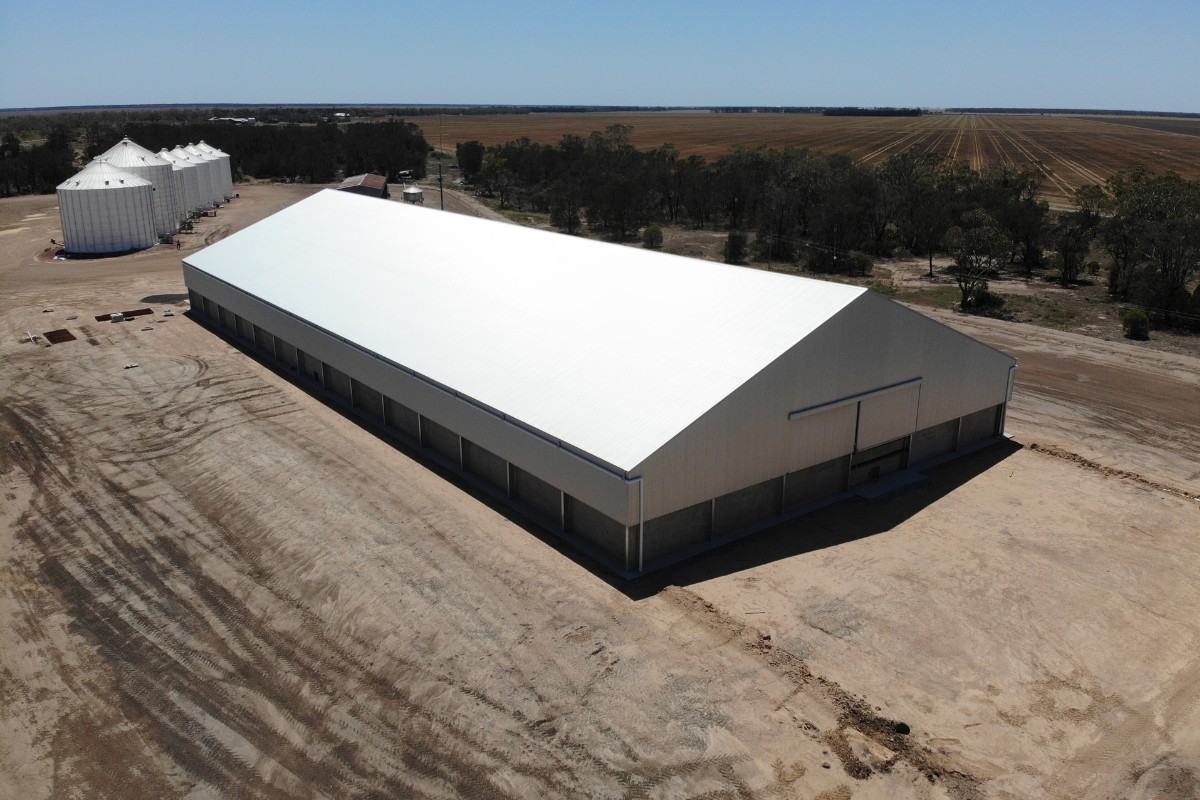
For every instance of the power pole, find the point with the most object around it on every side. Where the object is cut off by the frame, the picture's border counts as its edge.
(441, 191)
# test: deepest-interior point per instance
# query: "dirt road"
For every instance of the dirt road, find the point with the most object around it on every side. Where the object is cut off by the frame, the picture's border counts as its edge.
(212, 584)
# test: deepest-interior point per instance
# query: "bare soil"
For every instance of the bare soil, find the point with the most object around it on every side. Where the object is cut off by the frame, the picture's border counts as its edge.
(214, 584)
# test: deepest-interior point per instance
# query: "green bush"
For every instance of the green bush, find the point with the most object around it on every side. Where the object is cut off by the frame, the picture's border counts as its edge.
(652, 237)
(735, 248)
(1136, 324)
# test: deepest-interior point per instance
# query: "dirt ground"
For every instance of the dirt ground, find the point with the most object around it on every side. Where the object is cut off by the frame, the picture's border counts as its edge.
(212, 584)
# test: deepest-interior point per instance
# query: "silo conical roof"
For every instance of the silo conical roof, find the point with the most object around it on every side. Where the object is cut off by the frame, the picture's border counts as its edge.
(101, 175)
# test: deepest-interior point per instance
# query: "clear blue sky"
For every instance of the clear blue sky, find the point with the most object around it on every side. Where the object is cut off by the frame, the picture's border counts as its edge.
(1054, 53)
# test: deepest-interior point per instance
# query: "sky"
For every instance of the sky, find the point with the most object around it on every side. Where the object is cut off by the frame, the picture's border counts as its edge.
(1049, 54)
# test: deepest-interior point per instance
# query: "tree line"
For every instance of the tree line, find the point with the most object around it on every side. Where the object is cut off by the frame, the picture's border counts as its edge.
(316, 153)
(831, 213)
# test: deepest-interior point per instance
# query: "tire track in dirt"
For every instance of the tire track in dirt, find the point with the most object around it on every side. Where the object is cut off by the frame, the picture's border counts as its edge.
(221, 660)
(854, 713)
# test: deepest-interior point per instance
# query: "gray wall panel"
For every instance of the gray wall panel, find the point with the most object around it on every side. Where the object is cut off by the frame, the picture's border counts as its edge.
(682, 528)
(336, 381)
(401, 417)
(440, 440)
(978, 426)
(816, 482)
(737, 510)
(287, 353)
(485, 464)
(585, 521)
(366, 398)
(538, 495)
(932, 442)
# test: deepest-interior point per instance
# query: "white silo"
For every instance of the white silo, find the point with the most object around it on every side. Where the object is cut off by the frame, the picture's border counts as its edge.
(214, 172)
(179, 186)
(106, 210)
(128, 156)
(225, 164)
(193, 198)
(205, 194)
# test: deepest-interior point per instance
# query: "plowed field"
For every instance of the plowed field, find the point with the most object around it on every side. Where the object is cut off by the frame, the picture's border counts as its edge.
(1071, 151)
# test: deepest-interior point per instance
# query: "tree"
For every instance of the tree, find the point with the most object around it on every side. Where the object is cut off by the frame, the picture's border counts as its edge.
(1072, 238)
(496, 178)
(1153, 236)
(977, 244)
(470, 158)
(652, 237)
(735, 248)
(565, 198)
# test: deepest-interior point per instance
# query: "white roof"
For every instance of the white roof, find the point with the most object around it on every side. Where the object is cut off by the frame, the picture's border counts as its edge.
(102, 175)
(128, 153)
(613, 350)
(208, 148)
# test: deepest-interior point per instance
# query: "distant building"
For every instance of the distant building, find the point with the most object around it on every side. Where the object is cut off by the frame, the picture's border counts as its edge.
(370, 184)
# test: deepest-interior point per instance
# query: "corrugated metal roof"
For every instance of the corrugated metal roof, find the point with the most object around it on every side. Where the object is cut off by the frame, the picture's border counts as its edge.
(128, 153)
(369, 179)
(100, 174)
(611, 349)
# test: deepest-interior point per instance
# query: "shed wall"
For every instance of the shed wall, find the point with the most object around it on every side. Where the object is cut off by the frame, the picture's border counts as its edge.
(608, 493)
(872, 344)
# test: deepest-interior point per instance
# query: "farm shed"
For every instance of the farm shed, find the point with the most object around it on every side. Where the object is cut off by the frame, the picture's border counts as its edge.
(643, 405)
(368, 184)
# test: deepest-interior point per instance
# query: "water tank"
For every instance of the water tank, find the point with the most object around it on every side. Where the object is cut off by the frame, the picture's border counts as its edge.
(106, 210)
(193, 198)
(225, 170)
(215, 195)
(128, 156)
(413, 194)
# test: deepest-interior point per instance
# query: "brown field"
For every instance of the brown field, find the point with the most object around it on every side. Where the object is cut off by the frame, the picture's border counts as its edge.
(1072, 151)
(213, 584)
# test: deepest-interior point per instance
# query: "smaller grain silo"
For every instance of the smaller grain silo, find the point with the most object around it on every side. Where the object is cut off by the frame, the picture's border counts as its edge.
(128, 156)
(106, 210)
(189, 174)
(225, 168)
(179, 187)
(212, 170)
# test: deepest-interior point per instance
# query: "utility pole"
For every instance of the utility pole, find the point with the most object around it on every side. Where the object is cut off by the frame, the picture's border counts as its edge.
(441, 191)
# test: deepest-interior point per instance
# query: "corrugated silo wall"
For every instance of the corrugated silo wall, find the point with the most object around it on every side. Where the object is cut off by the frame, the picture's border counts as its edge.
(562, 489)
(109, 220)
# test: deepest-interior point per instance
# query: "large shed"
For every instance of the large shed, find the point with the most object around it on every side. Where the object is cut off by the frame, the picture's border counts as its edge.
(643, 405)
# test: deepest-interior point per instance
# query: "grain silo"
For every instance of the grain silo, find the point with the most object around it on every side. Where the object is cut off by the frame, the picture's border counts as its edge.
(225, 168)
(106, 210)
(212, 168)
(204, 193)
(190, 175)
(179, 187)
(128, 156)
